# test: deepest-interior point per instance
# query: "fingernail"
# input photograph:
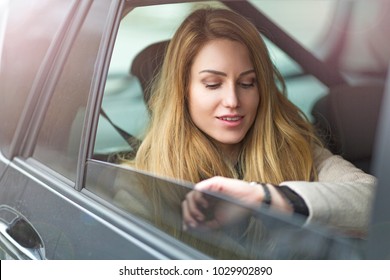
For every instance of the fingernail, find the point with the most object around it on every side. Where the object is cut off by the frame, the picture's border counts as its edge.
(200, 218)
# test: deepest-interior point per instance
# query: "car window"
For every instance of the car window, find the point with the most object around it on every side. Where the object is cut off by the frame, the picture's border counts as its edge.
(18, 68)
(302, 89)
(339, 31)
(124, 98)
(59, 137)
(143, 196)
(124, 114)
(318, 13)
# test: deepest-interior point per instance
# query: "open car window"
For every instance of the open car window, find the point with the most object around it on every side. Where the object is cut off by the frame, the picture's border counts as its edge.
(135, 61)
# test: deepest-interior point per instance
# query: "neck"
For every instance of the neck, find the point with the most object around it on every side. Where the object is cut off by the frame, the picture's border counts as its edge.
(230, 151)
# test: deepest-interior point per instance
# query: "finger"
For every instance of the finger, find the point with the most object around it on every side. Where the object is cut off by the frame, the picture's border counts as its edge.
(200, 198)
(214, 184)
(212, 224)
(188, 220)
(195, 203)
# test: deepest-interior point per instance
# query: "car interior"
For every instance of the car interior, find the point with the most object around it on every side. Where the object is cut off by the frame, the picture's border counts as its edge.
(347, 118)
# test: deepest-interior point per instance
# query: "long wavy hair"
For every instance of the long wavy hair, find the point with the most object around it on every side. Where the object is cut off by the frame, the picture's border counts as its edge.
(278, 146)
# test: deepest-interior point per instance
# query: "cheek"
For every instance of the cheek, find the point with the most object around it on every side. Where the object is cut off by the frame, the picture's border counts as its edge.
(199, 100)
(194, 102)
(252, 102)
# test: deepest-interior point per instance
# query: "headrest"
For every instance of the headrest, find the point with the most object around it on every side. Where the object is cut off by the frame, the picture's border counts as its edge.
(350, 113)
(146, 65)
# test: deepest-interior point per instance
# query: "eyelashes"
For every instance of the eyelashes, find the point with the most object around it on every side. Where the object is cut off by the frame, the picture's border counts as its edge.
(212, 85)
(243, 85)
(247, 85)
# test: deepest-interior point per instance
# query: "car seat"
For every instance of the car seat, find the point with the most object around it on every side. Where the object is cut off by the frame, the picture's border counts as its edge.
(147, 64)
(346, 119)
(144, 67)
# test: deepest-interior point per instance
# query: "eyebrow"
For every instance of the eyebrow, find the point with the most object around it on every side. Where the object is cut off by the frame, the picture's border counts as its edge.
(224, 74)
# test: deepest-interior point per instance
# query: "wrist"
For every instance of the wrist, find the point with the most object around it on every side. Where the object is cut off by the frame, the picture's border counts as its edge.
(265, 197)
(296, 202)
(270, 196)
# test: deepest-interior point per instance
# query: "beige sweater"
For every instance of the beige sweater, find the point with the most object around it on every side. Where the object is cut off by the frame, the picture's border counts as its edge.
(341, 198)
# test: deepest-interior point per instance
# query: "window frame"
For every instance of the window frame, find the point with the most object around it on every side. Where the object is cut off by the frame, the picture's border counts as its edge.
(35, 108)
(25, 138)
(96, 96)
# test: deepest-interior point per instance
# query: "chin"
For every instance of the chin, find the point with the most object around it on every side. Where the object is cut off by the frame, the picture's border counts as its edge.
(230, 141)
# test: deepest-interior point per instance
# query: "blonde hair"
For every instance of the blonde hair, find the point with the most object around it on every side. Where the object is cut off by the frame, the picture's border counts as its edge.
(279, 145)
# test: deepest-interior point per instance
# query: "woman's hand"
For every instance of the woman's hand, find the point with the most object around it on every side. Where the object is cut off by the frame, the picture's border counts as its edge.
(201, 212)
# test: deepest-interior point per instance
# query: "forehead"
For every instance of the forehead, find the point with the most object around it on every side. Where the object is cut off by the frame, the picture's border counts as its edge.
(222, 54)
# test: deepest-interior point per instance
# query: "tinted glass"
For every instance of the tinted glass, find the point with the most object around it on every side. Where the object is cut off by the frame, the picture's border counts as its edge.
(60, 135)
(271, 236)
(23, 32)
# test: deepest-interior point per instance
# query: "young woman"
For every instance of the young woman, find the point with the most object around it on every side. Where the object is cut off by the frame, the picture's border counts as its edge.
(220, 118)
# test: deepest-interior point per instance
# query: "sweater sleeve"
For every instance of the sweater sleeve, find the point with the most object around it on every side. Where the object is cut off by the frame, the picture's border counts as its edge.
(342, 196)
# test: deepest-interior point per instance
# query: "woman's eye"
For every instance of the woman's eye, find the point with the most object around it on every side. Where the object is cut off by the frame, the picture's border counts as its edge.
(247, 85)
(213, 85)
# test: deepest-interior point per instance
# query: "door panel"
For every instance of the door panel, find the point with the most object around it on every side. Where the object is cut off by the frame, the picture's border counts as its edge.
(68, 231)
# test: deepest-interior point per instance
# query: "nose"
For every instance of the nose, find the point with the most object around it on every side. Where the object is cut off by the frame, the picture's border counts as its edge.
(230, 97)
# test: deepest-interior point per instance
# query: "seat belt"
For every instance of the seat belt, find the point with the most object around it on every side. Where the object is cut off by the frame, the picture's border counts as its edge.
(130, 139)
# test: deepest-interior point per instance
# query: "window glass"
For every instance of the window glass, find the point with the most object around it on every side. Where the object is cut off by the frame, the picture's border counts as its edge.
(319, 13)
(60, 135)
(302, 89)
(24, 32)
(271, 236)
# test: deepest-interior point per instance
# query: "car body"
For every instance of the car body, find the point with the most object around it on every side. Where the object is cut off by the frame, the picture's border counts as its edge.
(62, 62)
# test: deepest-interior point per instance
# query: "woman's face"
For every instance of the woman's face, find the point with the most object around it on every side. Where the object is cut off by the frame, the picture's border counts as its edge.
(223, 93)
